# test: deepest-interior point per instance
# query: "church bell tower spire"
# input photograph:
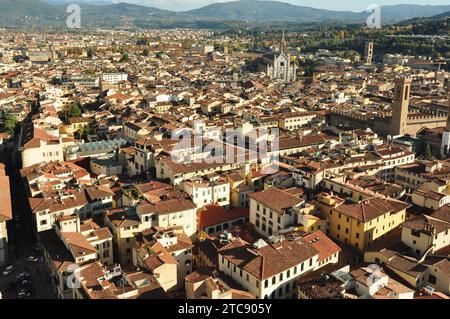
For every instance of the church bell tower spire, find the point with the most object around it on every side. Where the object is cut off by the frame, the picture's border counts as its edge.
(283, 44)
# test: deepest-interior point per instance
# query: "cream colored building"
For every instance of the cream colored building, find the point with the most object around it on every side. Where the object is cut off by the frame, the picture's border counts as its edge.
(295, 121)
(85, 203)
(40, 142)
(267, 271)
(425, 234)
(153, 248)
(432, 194)
(373, 282)
(212, 190)
(38, 151)
(125, 223)
(159, 262)
(201, 285)
(274, 210)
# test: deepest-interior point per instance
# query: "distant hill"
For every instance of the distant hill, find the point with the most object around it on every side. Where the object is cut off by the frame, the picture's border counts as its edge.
(257, 10)
(443, 15)
(28, 12)
(436, 25)
(66, 2)
(409, 11)
(244, 13)
(39, 13)
(262, 11)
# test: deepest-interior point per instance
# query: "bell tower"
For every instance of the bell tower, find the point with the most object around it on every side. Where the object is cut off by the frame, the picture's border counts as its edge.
(400, 107)
(445, 144)
(283, 44)
(368, 53)
(447, 128)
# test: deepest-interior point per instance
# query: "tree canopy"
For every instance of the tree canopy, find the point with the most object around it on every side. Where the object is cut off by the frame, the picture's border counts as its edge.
(10, 124)
(74, 111)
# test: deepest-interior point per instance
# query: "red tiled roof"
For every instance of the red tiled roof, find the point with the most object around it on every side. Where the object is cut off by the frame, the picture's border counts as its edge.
(214, 214)
(276, 199)
(324, 245)
(5, 199)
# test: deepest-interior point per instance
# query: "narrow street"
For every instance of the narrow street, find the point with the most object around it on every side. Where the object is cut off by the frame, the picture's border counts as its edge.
(22, 236)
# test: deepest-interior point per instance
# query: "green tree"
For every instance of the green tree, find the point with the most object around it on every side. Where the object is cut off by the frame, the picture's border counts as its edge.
(84, 132)
(145, 52)
(428, 154)
(124, 57)
(159, 55)
(90, 53)
(10, 124)
(74, 111)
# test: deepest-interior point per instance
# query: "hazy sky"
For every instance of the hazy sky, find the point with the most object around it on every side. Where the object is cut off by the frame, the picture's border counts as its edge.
(355, 5)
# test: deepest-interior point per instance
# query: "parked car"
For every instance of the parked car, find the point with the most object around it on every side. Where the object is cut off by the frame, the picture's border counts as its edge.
(24, 295)
(29, 289)
(23, 275)
(25, 283)
(8, 270)
(33, 259)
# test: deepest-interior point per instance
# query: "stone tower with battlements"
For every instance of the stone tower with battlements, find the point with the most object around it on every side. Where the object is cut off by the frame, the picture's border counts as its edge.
(368, 53)
(445, 144)
(400, 107)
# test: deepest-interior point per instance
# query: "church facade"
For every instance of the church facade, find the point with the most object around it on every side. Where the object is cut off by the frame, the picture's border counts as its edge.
(278, 65)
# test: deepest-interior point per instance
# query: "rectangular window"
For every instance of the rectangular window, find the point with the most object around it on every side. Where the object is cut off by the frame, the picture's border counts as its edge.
(432, 279)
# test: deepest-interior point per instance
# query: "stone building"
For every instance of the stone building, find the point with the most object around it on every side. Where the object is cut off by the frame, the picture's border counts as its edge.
(368, 53)
(277, 65)
(400, 122)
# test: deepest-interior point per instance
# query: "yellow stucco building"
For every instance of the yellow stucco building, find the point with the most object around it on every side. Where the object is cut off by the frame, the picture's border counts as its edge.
(361, 223)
